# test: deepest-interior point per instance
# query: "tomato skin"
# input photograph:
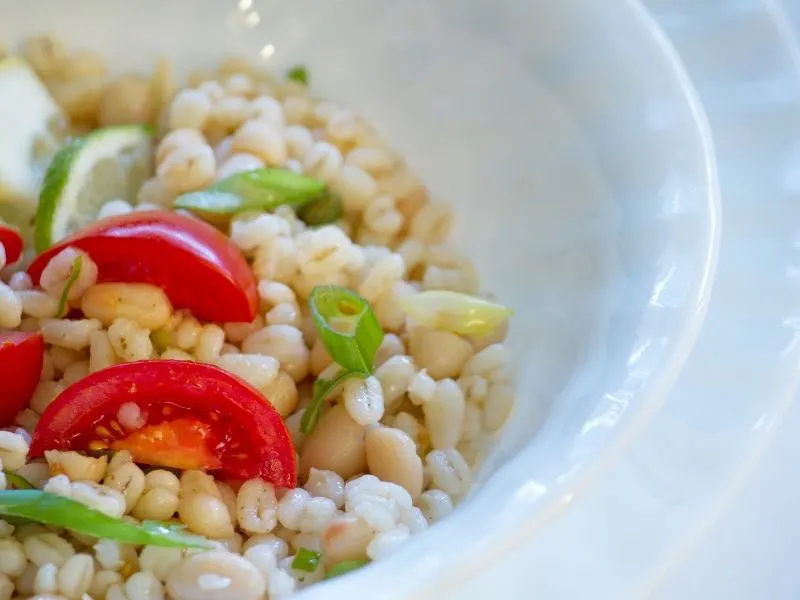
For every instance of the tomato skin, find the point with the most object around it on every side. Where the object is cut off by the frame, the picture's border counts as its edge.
(11, 241)
(21, 360)
(263, 446)
(195, 264)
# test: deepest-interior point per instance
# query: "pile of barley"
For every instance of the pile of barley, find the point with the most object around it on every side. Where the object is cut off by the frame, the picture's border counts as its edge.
(391, 454)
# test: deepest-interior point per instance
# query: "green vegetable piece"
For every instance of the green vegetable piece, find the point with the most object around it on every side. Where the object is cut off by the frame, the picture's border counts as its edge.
(161, 339)
(18, 481)
(322, 389)
(306, 560)
(347, 326)
(298, 73)
(259, 189)
(74, 273)
(326, 209)
(50, 509)
(345, 567)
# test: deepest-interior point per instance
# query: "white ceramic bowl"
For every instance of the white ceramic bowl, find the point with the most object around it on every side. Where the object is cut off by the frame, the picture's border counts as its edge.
(572, 144)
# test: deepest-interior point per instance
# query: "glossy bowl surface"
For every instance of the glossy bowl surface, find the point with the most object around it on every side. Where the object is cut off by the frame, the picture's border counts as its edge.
(580, 162)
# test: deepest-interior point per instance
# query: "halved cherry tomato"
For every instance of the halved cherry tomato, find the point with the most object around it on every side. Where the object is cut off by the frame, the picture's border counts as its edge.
(193, 415)
(11, 241)
(21, 359)
(196, 265)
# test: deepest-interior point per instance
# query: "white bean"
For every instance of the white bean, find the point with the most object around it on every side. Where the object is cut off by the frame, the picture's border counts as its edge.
(215, 576)
(392, 456)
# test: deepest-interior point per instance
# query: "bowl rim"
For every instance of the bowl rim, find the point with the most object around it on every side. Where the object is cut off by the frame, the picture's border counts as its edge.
(520, 520)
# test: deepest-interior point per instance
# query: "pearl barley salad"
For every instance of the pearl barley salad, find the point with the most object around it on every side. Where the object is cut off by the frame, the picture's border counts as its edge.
(237, 355)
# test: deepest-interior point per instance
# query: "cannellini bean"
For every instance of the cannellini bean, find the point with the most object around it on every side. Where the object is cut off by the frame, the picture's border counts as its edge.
(257, 507)
(157, 504)
(59, 270)
(442, 353)
(345, 538)
(215, 576)
(76, 466)
(392, 456)
(146, 305)
(336, 444)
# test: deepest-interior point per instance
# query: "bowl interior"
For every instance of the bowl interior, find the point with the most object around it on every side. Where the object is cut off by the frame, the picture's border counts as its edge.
(571, 145)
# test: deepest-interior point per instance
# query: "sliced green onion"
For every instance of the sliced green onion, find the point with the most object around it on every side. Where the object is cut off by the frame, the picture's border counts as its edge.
(161, 339)
(322, 389)
(259, 189)
(50, 509)
(306, 560)
(347, 326)
(326, 209)
(298, 73)
(345, 567)
(18, 481)
(456, 312)
(74, 273)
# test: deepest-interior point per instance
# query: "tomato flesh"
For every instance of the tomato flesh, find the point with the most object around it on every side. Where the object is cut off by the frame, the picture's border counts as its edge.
(11, 241)
(197, 266)
(193, 415)
(21, 360)
(179, 444)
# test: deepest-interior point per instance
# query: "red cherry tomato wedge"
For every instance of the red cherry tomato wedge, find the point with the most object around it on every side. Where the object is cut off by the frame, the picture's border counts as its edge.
(196, 265)
(193, 415)
(21, 359)
(11, 241)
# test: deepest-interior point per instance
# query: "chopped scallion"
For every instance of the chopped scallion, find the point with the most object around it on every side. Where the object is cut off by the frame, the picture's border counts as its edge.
(322, 389)
(345, 567)
(298, 73)
(347, 326)
(18, 481)
(74, 273)
(325, 209)
(456, 312)
(306, 560)
(50, 509)
(259, 189)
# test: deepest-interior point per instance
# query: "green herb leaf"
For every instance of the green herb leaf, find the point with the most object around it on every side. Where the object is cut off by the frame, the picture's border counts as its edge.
(306, 560)
(322, 389)
(18, 481)
(50, 509)
(345, 567)
(326, 209)
(74, 273)
(259, 189)
(347, 326)
(298, 73)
